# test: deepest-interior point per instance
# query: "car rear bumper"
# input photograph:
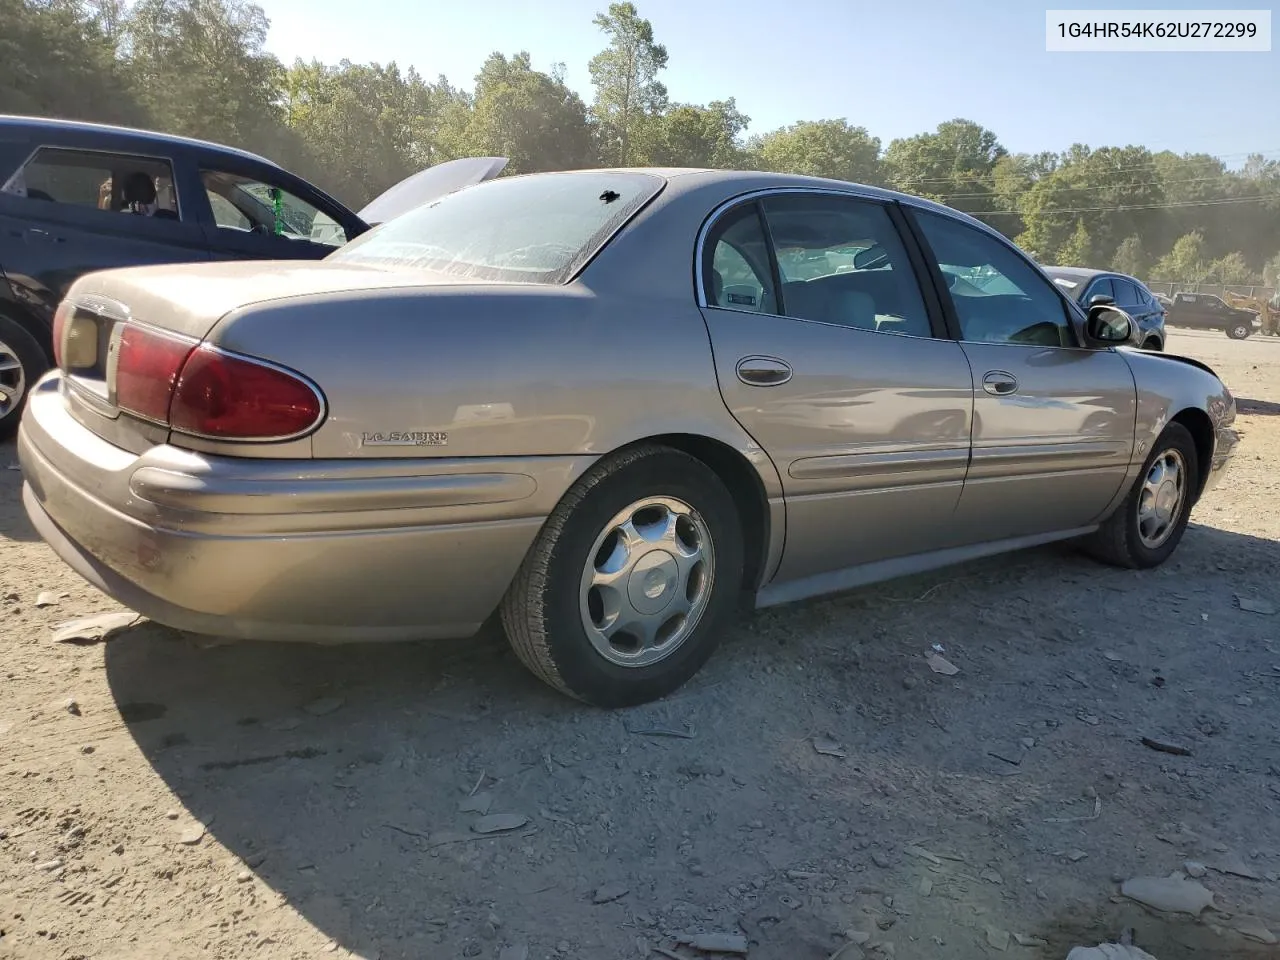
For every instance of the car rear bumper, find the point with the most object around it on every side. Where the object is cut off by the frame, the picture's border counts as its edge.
(321, 551)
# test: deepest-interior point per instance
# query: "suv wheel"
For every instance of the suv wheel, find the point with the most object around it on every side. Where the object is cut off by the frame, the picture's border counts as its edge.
(1239, 330)
(22, 363)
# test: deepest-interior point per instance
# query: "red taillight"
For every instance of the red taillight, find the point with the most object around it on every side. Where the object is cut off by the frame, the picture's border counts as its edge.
(147, 366)
(226, 397)
(59, 329)
(198, 389)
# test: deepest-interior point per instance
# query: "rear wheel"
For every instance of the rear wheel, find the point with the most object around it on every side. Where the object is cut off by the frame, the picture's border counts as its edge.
(623, 596)
(22, 363)
(1239, 330)
(1148, 526)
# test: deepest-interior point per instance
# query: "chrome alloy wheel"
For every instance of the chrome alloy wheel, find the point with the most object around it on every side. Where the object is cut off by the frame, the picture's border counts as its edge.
(13, 379)
(647, 581)
(1161, 498)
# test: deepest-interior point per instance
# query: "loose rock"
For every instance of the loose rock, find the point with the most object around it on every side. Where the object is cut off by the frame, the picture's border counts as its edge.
(1170, 894)
(716, 942)
(96, 629)
(1193, 869)
(479, 803)
(609, 892)
(499, 822)
(517, 951)
(941, 665)
(998, 939)
(1254, 929)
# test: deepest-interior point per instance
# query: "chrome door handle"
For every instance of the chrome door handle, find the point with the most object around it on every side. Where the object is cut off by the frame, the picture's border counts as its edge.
(763, 371)
(999, 384)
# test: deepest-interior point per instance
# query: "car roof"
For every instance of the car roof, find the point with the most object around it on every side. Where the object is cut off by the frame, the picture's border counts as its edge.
(123, 137)
(743, 181)
(1079, 273)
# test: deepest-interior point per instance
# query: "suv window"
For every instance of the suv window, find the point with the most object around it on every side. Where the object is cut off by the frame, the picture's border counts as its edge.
(252, 206)
(98, 181)
(1126, 293)
(842, 262)
(738, 276)
(998, 296)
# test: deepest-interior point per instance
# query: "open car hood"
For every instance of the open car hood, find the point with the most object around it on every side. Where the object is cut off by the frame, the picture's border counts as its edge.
(431, 184)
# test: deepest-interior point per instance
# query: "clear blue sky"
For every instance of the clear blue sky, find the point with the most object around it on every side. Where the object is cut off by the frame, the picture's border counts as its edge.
(897, 68)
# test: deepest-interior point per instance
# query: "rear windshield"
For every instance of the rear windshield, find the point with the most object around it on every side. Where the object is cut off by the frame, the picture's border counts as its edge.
(535, 229)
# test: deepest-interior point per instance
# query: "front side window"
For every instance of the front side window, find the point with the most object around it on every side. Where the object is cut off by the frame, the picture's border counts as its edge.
(113, 182)
(998, 296)
(534, 229)
(842, 262)
(251, 206)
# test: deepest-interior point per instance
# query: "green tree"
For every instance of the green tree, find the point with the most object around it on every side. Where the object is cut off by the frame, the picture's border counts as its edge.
(1130, 257)
(954, 164)
(821, 148)
(1078, 250)
(1271, 272)
(625, 76)
(1233, 268)
(57, 59)
(531, 118)
(201, 68)
(689, 135)
(1185, 263)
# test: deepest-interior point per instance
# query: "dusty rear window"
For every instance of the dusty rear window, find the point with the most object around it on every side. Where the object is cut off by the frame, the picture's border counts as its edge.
(535, 229)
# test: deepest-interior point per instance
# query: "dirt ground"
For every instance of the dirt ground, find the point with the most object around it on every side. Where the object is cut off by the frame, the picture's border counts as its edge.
(164, 796)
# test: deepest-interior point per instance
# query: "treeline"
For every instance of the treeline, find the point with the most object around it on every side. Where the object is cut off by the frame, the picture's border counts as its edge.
(200, 68)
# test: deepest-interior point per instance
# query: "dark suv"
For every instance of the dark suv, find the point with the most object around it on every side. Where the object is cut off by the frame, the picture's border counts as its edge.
(1204, 311)
(79, 197)
(1087, 287)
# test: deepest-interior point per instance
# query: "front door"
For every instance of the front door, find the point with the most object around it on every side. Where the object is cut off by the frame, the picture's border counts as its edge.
(255, 219)
(1053, 421)
(840, 375)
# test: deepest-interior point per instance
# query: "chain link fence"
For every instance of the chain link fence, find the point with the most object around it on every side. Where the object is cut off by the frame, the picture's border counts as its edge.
(1168, 288)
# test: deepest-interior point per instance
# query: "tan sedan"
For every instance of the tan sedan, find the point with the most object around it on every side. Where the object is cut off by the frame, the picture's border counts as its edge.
(611, 405)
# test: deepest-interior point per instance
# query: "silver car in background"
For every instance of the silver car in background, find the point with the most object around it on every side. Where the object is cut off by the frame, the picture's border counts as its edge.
(608, 405)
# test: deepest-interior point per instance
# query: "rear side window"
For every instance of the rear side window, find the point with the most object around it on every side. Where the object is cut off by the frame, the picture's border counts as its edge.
(1126, 293)
(95, 180)
(535, 229)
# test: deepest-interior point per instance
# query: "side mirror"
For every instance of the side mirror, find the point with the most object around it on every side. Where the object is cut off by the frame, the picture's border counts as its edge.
(1108, 324)
(1098, 298)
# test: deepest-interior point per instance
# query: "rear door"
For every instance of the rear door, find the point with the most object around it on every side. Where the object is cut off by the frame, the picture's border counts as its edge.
(843, 375)
(61, 216)
(1053, 421)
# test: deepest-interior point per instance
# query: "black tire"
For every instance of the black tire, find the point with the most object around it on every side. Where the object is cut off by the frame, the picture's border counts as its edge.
(1153, 344)
(541, 610)
(1118, 541)
(15, 341)
(1239, 331)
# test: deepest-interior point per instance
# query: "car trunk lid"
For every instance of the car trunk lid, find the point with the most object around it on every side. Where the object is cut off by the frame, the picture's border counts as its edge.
(174, 307)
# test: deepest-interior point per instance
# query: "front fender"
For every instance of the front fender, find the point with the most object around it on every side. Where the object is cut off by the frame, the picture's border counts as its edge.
(1173, 387)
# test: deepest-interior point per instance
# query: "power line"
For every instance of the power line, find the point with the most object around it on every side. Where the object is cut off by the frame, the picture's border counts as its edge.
(1148, 165)
(1104, 186)
(1136, 206)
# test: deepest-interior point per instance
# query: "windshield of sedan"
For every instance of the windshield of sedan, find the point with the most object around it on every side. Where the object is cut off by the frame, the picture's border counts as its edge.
(534, 229)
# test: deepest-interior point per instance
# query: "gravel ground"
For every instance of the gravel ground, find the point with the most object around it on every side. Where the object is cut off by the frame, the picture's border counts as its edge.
(164, 796)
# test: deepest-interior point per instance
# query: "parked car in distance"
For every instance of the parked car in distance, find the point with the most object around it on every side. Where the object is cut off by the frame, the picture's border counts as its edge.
(1204, 311)
(599, 404)
(1088, 287)
(69, 193)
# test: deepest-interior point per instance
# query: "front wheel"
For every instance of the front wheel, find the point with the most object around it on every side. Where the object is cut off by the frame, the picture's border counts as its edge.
(1238, 331)
(22, 363)
(1147, 527)
(624, 594)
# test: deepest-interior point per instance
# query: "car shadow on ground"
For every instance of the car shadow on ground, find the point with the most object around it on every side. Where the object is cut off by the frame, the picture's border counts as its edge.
(14, 524)
(1265, 408)
(350, 779)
